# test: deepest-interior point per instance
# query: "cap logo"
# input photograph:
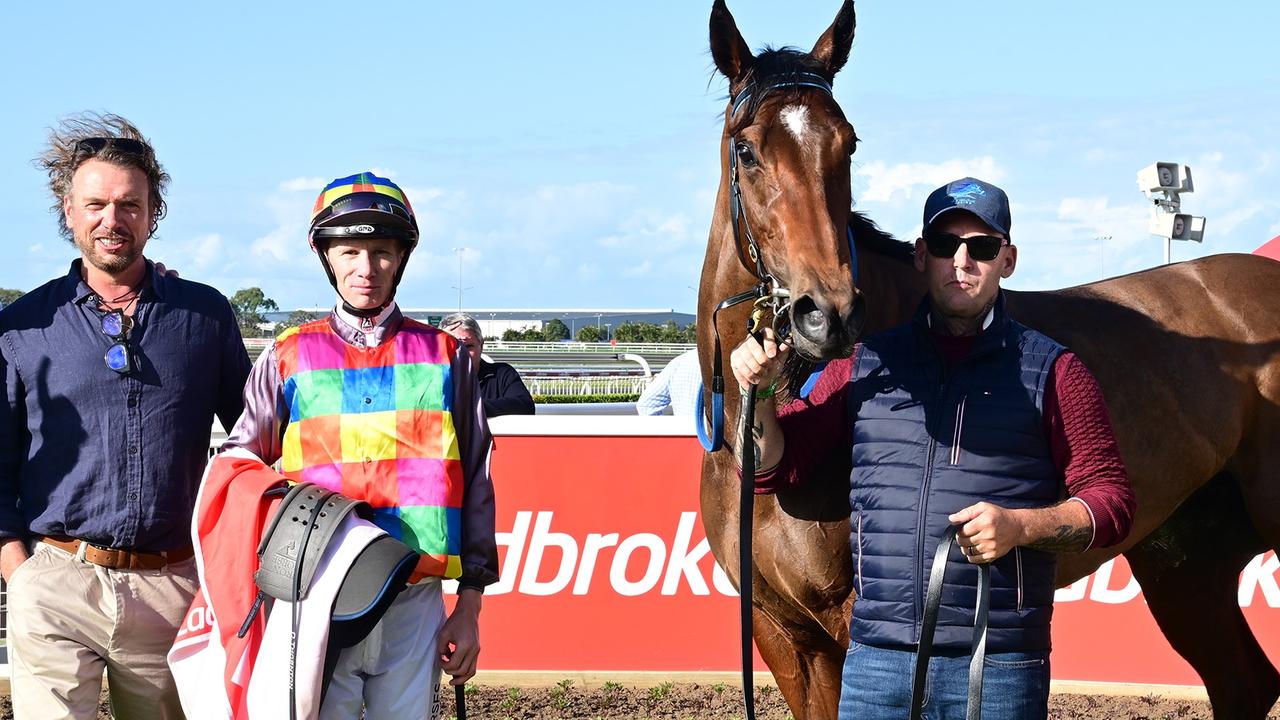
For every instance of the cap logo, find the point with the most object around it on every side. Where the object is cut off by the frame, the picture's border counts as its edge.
(362, 229)
(968, 193)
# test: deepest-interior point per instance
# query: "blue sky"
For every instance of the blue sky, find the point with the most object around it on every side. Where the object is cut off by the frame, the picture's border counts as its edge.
(571, 147)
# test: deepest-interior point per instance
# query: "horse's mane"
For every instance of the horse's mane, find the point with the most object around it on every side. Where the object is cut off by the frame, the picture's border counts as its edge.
(770, 66)
(866, 234)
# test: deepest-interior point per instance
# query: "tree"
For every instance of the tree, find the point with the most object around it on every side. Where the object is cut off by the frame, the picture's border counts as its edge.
(296, 318)
(249, 305)
(670, 332)
(555, 331)
(589, 333)
(629, 332)
(690, 333)
(525, 334)
(8, 295)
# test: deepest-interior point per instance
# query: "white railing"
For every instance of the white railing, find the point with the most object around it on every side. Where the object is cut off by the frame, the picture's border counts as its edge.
(579, 347)
(571, 386)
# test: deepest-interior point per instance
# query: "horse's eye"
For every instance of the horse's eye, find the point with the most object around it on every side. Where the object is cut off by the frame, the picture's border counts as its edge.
(746, 155)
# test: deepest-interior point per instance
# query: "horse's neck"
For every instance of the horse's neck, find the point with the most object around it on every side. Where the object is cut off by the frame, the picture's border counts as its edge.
(892, 289)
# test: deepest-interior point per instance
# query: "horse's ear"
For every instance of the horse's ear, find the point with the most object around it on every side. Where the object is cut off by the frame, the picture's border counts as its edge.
(832, 49)
(732, 54)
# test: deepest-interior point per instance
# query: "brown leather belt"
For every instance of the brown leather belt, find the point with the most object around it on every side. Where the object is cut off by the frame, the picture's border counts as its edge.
(119, 558)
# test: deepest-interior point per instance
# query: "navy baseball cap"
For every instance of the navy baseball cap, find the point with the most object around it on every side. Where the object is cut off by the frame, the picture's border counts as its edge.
(981, 198)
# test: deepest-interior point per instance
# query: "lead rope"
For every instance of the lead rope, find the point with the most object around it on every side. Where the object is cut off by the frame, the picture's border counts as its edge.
(933, 599)
(746, 519)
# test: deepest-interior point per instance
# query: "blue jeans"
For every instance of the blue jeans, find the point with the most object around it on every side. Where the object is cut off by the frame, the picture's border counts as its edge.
(876, 685)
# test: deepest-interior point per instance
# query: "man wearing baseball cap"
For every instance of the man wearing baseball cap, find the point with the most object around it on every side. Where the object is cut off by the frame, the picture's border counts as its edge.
(961, 418)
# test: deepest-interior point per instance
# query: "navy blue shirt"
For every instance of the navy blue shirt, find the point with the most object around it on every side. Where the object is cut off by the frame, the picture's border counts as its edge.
(109, 458)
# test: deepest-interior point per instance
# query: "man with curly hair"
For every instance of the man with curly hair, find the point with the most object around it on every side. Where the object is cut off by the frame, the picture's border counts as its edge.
(113, 375)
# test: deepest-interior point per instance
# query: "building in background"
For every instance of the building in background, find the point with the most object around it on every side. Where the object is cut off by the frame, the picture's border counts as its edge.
(495, 321)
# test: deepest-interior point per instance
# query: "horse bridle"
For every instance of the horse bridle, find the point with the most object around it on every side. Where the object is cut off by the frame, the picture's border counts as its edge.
(767, 295)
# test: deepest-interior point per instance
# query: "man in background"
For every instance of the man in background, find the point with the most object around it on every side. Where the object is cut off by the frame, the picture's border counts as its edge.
(503, 391)
(677, 387)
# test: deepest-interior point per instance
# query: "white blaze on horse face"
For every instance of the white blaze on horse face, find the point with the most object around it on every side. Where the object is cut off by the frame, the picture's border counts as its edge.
(796, 118)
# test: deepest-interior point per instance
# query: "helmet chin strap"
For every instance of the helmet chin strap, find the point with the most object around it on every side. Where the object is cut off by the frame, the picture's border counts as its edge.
(366, 315)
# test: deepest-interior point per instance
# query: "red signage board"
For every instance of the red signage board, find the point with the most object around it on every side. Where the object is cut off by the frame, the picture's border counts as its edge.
(605, 567)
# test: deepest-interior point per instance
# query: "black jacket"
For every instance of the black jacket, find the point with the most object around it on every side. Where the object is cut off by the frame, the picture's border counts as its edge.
(503, 391)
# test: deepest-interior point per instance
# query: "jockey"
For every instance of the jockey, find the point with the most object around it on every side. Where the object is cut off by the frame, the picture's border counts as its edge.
(381, 408)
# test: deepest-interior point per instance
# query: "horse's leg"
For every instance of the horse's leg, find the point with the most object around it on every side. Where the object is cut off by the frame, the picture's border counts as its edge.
(807, 669)
(1189, 571)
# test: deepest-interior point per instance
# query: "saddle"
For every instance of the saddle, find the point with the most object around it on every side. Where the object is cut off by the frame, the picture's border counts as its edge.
(307, 521)
(304, 525)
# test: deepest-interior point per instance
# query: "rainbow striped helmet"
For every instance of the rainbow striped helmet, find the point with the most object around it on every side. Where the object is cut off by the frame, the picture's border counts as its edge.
(363, 206)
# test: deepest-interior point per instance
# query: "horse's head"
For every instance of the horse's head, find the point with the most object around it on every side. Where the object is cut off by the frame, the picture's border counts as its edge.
(785, 157)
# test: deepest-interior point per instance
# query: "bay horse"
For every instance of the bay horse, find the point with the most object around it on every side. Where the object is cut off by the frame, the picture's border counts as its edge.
(1187, 355)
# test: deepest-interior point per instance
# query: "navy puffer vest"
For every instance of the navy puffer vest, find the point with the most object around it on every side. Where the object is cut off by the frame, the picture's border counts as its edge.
(930, 441)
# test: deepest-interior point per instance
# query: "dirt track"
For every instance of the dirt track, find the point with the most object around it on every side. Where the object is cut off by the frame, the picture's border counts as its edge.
(723, 702)
(720, 702)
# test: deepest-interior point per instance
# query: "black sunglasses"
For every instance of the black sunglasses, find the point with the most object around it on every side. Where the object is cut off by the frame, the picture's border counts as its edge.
(981, 247)
(96, 145)
(115, 325)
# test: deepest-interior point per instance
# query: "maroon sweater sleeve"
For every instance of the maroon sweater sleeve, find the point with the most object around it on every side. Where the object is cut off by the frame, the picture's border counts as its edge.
(1084, 449)
(813, 428)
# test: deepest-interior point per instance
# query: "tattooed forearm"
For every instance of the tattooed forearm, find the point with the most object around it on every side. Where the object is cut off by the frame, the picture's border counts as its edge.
(1064, 539)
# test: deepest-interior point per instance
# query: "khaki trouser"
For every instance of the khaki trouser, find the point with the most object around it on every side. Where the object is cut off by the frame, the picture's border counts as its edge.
(69, 621)
(394, 673)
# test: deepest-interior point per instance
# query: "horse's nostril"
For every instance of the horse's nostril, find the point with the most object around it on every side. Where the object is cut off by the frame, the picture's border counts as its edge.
(809, 319)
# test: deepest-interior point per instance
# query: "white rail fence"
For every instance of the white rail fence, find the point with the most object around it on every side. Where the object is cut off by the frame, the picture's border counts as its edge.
(580, 386)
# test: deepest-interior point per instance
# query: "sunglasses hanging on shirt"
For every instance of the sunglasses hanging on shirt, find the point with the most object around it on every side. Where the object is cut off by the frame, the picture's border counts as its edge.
(115, 325)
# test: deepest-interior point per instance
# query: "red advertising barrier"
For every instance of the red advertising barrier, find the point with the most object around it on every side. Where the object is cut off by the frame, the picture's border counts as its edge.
(606, 567)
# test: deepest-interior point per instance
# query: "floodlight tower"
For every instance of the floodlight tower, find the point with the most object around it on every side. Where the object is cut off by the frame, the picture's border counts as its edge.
(1163, 183)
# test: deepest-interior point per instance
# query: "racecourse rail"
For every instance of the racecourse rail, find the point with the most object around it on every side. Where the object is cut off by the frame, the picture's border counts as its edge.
(568, 369)
(605, 559)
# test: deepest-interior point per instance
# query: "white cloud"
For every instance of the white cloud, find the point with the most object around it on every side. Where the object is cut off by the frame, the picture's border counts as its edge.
(640, 270)
(883, 182)
(314, 184)
(1096, 156)
(282, 244)
(1095, 217)
(208, 250)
